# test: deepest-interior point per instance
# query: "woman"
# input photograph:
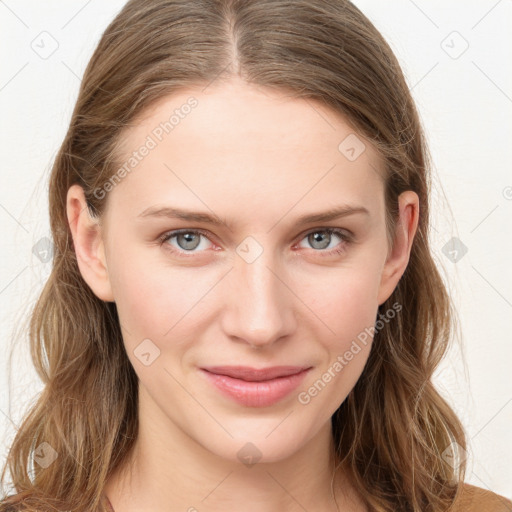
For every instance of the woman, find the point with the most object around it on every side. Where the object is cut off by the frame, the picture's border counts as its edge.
(243, 312)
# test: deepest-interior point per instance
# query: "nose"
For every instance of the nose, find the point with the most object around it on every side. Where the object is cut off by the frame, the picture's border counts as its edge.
(259, 304)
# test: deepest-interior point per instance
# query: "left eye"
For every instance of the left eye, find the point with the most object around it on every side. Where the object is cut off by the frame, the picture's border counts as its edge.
(321, 238)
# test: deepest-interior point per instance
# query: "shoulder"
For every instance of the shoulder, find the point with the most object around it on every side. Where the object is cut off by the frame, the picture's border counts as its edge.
(476, 499)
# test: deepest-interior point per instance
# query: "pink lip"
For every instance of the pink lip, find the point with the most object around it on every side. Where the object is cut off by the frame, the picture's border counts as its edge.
(256, 388)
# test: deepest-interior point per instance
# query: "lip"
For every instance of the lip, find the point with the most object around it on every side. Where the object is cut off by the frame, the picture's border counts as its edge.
(254, 387)
(255, 374)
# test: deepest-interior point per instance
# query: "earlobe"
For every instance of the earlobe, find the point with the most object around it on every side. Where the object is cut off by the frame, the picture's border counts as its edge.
(398, 258)
(88, 244)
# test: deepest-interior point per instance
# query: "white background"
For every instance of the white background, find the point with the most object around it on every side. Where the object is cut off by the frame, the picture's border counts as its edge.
(466, 107)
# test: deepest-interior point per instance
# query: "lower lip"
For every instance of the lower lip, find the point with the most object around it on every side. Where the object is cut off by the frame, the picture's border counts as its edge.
(256, 394)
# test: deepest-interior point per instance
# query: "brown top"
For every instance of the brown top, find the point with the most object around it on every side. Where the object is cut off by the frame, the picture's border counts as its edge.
(476, 499)
(472, 499)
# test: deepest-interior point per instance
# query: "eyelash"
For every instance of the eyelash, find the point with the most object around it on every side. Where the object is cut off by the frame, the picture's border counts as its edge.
(346, 239)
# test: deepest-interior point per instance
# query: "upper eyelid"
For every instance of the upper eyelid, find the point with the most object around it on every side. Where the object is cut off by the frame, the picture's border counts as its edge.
(342, 231)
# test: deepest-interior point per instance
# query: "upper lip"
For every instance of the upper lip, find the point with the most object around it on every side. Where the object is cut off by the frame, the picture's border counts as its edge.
(255, 374)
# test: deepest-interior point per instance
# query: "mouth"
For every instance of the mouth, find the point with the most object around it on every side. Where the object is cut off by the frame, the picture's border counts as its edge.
(254, 387)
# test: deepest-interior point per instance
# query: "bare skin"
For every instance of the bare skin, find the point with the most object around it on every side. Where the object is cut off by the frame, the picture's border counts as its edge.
(259, 160)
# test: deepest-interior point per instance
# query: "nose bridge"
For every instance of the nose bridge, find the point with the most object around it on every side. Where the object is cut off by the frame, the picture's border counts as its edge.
(259, 302)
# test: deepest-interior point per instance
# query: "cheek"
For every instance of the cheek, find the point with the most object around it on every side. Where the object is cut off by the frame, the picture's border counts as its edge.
(148, 298)
(158, 301)
(348, 306)
(345, 300)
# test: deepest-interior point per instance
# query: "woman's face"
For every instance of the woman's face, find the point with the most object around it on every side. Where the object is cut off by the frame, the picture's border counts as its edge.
(260, 288)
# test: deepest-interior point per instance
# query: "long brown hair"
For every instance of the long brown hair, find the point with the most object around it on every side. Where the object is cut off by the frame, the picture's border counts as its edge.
(393, 431)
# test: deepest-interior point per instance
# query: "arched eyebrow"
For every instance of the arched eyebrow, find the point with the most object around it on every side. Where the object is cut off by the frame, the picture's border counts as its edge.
(331, 214)
(213, 219)
(177, 213)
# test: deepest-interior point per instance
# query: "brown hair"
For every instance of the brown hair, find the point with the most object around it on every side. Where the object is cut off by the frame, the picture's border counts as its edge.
(391, 431)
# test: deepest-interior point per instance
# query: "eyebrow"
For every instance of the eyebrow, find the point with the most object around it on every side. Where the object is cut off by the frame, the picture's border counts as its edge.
(211, 218)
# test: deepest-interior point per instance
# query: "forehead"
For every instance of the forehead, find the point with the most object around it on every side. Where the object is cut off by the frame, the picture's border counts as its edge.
(235, 148)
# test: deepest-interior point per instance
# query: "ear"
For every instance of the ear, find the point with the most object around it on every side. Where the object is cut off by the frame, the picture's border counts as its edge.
(88, 244)
(398, 258)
